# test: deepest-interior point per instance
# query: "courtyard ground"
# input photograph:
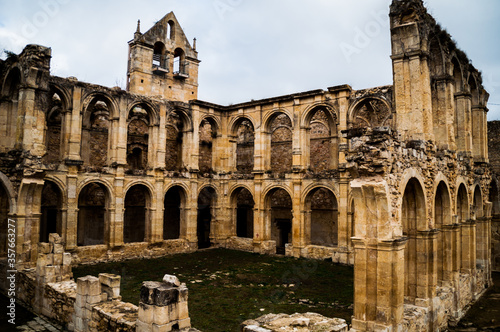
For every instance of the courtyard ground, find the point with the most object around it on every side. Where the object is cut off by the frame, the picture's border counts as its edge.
(228, 287)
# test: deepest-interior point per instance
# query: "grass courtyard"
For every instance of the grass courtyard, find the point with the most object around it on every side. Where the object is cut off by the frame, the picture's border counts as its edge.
(228, 287)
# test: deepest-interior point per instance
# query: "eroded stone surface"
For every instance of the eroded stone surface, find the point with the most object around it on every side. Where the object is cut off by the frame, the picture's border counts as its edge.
(296, 322)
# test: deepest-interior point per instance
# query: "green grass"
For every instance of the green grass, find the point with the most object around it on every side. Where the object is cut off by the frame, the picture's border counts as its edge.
(228, 287)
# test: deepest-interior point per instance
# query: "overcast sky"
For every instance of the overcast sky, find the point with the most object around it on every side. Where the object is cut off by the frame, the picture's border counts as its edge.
(250, 49)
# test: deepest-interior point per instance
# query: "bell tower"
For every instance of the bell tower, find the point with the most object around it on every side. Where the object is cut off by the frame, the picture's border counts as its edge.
(162, 62)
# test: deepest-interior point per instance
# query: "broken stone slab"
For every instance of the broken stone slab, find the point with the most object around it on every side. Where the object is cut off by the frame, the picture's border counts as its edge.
(296, 322)
(171, 280)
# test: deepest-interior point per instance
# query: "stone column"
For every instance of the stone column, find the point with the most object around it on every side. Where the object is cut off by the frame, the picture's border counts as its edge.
(379, 261)
(468, 247)
(72, 215)
(426, 267)
(378, 284)
(116, 224)
(464, 127)
(75, 132)
(450, 253)
(342, 220)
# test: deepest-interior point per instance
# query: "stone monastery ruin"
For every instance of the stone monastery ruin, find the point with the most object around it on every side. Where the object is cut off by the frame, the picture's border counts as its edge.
(393, 179)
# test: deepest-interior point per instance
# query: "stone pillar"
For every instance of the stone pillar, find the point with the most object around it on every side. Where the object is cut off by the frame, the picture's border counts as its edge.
(426, 267)
(344, 238)
(483, 249)
(116, 224)
(464, 128)
(163, 306)
(451, 256)
(297, 224)
(72, 217)
(379, 261)
(88, 294)
(378, 284)
(468, 247)
(479, 134)
(91, 291)
(75, 132)
(444, 112)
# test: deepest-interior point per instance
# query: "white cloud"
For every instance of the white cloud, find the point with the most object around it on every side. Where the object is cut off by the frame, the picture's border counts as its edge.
(250, 49)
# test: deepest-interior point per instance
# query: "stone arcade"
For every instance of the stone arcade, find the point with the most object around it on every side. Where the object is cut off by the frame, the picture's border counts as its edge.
(392, 179)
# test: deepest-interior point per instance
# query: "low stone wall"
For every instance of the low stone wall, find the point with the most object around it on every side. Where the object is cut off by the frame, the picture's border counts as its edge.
(115, 316)
(101, 253)
(337, 255)
(444, 305)
(59, 301)
(448, 307)
(415, 318)
(466, 294)
(296, 323)
(94, 303)
(239, 243)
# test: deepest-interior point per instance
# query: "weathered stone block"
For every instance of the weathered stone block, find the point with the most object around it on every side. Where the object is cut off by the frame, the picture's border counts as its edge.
(50, 274)
(183, 293)
(94, 299)
(173, 311)
(66, 259)
(58, 259)
(88, 285)
(255, 328)
(184, 323)
(111, 280)
(146, 313)
(161, 315)
(147, 291)
(143, 327)
(182, 308)
(44, 248)
(79, 324)
(55, 238)
(162, 328)
(58, 249)
(171, 280)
